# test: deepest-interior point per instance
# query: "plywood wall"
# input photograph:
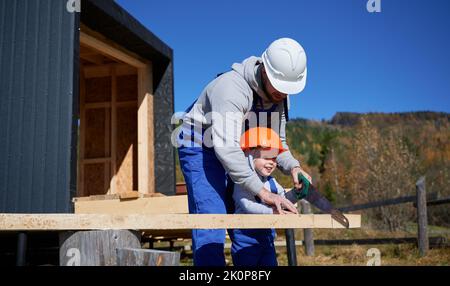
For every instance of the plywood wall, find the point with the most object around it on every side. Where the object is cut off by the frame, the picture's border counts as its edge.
(108, 130)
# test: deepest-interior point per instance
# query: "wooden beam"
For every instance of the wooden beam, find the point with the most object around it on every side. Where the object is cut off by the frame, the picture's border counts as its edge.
(82, 130)
(107, 163)
(95, 59)
(96, 105)
(52, 222)
(146, 156)
(95, 160)
(153, 205)
(109, 50)
(105, 70)
(113, 170)
(112, 197)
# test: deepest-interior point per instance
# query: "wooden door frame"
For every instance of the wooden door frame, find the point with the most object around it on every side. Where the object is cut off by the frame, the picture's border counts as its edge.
(145, 129)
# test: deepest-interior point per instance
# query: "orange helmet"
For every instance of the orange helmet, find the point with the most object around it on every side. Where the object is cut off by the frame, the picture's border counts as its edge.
(262, 137)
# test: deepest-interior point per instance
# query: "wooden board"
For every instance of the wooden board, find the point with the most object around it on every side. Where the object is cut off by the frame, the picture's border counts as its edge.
(95, 41)
(105, 70)
(154, 205)
(146, 146)
(98, 89)
(127, 88)
(52, 222)
(95, 134)
(126, 150)
(94, 176)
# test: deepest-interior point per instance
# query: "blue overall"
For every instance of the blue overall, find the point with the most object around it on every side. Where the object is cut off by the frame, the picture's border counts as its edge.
(206, 183)
(254, 247)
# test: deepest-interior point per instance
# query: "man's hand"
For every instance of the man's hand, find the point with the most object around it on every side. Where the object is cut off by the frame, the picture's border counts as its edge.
(294, 173)
(278, 203)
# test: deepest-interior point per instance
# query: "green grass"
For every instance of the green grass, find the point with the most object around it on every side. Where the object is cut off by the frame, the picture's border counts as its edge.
(402, 254)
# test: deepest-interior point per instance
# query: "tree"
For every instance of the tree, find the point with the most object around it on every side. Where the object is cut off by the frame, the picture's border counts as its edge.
(382, 168)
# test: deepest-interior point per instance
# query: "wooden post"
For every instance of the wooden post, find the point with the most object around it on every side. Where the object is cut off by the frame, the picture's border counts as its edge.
(146, 149)
(113, 170)
(290, 247)
(307, 232)
(21, 249)
(422, 220)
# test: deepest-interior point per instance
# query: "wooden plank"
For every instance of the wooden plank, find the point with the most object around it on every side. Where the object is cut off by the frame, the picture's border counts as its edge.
(113, 186)
(95, 134)
(128, 195)
(95, 160)
(127, 89)
(95, 198)
(94, 105)
(82, 141)
(146, 156)
(152, 205)
(388, 202)
(94, 58)
(126, 150)
(105, 70)
(435, 202)
(94, 179)
(435, 241)
(113, 197)
(439, 202)
(146, 257)
(107, 163)
(98, 90)
(106, 48)
(52, 222)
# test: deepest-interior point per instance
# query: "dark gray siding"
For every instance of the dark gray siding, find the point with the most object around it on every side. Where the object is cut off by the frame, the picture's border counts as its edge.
(164, 151)
(37, 40)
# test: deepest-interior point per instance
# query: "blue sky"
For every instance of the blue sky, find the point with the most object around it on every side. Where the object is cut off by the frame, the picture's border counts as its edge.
(394, 61)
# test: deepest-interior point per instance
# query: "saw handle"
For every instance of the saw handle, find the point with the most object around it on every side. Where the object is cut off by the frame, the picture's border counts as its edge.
(304, 191)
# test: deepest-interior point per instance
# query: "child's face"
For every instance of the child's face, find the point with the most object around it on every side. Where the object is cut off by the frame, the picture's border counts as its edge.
(265, 162)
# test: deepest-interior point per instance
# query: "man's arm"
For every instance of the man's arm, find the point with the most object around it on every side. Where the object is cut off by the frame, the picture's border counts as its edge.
(229, 99)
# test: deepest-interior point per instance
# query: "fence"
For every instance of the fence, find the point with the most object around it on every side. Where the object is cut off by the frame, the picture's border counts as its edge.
(421, 201)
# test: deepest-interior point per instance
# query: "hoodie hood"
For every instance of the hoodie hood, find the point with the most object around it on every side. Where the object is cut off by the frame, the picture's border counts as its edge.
(252, 166)
(250, 70)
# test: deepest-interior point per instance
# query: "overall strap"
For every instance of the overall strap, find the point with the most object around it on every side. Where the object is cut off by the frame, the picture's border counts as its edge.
(286, 110)
(229, 202)
(273, 186)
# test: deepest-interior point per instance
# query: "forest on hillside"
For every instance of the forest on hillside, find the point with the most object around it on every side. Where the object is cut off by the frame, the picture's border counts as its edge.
(357, 158)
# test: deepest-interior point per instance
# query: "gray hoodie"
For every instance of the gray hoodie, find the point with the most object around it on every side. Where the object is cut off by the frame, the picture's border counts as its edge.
(232, 93)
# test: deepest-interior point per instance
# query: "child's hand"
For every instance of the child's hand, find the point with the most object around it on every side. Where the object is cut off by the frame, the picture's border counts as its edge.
(281, 204)
(285, 211)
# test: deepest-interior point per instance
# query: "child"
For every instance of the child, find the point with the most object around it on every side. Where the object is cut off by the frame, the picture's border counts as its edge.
(255, 247)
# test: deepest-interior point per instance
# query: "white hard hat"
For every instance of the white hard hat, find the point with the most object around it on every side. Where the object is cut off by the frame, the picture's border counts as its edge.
(285, 65)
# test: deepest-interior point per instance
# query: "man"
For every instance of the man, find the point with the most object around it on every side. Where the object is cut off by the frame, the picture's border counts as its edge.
(210, 149)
